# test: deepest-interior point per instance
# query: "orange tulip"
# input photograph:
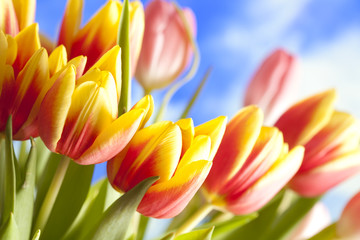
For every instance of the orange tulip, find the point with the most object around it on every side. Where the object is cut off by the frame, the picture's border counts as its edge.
(348, 226)
(331, 141)
(16, 15)
(79, 114)
(167, 49)
(24, 81)
(272, 84)
(177, 152)
(101, 32)
(251, 165)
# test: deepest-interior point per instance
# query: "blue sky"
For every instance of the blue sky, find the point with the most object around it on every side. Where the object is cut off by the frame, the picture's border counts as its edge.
(234, 37)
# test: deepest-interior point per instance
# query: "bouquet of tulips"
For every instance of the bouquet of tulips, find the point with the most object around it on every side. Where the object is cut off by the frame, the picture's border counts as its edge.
(66, 106)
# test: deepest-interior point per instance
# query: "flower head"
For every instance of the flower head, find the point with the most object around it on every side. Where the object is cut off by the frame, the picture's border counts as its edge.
(252, 164)
(177, 152)
(331, 141)
(167, 48)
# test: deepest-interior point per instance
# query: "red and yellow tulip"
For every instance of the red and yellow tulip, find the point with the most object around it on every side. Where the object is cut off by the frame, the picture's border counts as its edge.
(24, 80)
(100, 33)
(331, 141)
(15, 15)
(252, 164)
(177, 152)
(167, 48)
(273, 84)
(79, 114)
(348, 226)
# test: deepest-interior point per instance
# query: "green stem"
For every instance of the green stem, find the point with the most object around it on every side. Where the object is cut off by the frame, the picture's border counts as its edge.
(52, 193)
(195, 219)
(189, 75)
(196, 94)
(147, 92)
(327, 233)
(124, 43)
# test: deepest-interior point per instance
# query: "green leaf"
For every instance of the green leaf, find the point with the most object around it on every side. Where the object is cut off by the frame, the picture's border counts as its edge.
(100, 196)
(9, 230)
(23, 155)
(36, 235)
(328, 233)
(116, 219)
(290, 218)
(142, 227)
(190, 209)
(71, 196)
(169, 236)
(25, 195)
(2, 176)
(10, 177)
(124, 43)
(43, 156)
(202, 234)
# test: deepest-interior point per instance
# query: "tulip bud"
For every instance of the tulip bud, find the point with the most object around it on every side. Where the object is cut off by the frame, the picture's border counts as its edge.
(331, 141)
(177, 152)
(272, 84)
(100, 34)
(167, 48)
(24, 81)
(251, 165)
(348, 226)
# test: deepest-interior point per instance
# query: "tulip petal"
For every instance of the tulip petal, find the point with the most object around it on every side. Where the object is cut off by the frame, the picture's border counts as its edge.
(318, 180)
(239, 138)
(169, 198)
(25, 12)
(11, 52)
(55, 107)
(304, 119)
(28, 43)
(31, 85)
(137, 26)
(111, 61)
(113, 139)
(187, 132)
(57, 60)
(146, 103)
(79, 63)
(267, 186)
(70, 23)
(153, 151)
(8, 19)
(199, 150)
(215, 129)
(348, 225)
(7, 92)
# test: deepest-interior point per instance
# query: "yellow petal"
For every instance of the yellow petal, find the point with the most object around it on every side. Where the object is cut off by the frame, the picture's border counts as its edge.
(57, 59)
(79, 63)
(304, 119)
(111, 61)
(199, 150)
(55, 107)
(113, 139)
(71, 23)
(146, 103)
(8, 20)
(215, 129)
(25, 12)
(187, 132)
(11, 50)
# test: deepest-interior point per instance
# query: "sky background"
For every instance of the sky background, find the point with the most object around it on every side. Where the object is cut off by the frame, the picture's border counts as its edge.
(235, 36)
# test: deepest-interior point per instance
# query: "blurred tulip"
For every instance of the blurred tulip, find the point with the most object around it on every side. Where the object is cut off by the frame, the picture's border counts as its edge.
(348, 226)
(272, 85)
(79, 114)
(331, 141)
(177, 152)
(101, 32)
(315, 220)
(167, 48)
(24, 81)
(16, 15)
(251, 165)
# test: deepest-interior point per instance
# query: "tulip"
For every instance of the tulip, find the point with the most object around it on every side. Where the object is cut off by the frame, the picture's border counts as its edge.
(348, 226)
(251, 166)
(79, 114)
(177, 152)
(24, 81)
(167, 48)
(16, 15)
(100, 33)
(272, 84)
(331, 141)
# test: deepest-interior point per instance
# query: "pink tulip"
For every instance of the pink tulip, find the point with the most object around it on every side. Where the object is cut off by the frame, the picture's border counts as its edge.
(348, 226)
(166, 49)
(272, 85)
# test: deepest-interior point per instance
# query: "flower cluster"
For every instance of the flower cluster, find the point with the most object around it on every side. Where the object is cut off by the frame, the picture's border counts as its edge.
(69, 94)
